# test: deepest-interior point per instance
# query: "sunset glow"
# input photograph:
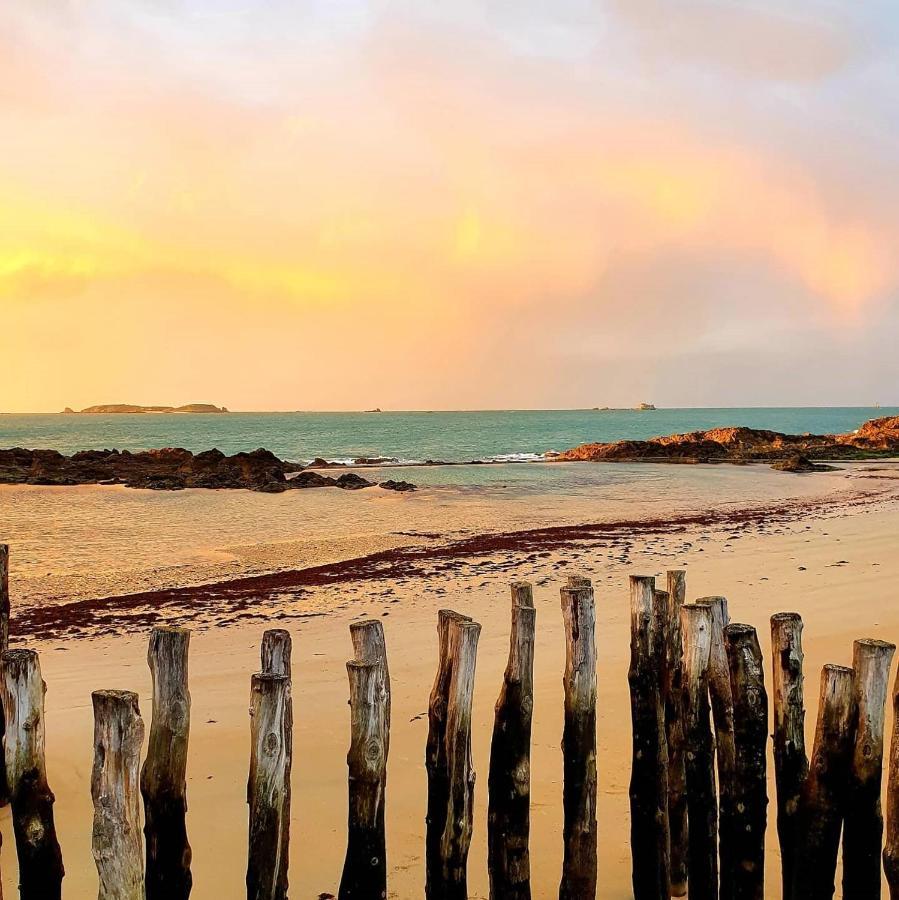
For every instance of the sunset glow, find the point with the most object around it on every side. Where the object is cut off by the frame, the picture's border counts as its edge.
(411, 206)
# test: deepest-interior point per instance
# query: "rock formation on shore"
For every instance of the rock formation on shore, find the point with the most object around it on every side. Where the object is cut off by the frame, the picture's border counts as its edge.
(876, 438)
(170, 469)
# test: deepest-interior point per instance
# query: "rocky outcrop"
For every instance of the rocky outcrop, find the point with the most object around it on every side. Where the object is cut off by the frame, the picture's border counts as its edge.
(801, 464)
(401, 486)
(109, 408)
(876, 438)
(169, 469)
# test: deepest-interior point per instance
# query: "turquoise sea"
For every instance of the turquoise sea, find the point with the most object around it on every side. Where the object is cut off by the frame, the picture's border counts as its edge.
(507, 435)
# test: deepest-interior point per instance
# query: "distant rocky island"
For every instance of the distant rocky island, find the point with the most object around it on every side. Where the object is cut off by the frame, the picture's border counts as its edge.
(640, 407)
(107, 408)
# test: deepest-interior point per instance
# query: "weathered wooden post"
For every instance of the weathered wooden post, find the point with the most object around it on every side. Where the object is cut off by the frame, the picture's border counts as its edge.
(435, 755)
(822, 804)
(863, 823)
(117, 846)
(790, 760)
(747, 682)
(365, 866)
(649, 761)
(725, 752)
(579, 743)
(268, 786)
(891, 846)
(40, 859)
(459, 818)
(509, 779)
(163, 780)
(702, 807)
(4, 646)
(275, 653)
(674, 731)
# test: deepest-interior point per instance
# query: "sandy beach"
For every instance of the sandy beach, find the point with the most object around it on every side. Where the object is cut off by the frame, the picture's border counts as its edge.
(828, 555)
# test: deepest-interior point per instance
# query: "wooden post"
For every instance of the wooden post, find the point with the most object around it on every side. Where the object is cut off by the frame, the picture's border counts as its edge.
(823, 800)
(365, 866)
(702, 808)
(268, 786)
(435, 755)
(891, 847)
(747, 682)
(649, 761)
(790, 760)
(275, 654)
(40, 859)
(509, 779)
(725, 752)
(4, 646)
(579, 744)
(459, 818)
(673, 690)
(863, 824)
(117, 846)
(163, 779)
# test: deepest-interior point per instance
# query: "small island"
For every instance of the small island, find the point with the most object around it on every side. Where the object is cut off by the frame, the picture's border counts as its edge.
(125, 408)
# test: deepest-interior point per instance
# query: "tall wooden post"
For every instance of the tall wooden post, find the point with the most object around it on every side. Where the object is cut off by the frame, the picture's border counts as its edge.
(891, 847)
(4, 646)
(649, 761)
(40, 859)
(674, 731)
(509, 779)
(435, 754)
(275, 654)
(116, 845)
(459, 820)
(163, 778)
(790, 760)
(747, 682)
(725, 752)
(823, 801)
(579, 743)
(702, 806)
(268, 786)
(863, 824)
(365, 866)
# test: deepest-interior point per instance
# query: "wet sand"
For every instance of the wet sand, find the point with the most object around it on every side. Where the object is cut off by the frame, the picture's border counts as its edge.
(835, 564)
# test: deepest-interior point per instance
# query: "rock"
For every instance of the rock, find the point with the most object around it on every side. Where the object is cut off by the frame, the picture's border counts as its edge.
(350, 481)
(879, 437)
(310, 480)
(801, 464)
(401, 486)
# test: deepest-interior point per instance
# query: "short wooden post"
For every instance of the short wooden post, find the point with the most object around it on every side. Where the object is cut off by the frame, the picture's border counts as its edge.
(725, 752)
(4, 646)
(891, 846)
(435, 755)
(509, 779)
(863, 823)
(702, 807)
(163, 779)
(365, 865)
(268, 786)
(790, 760)
(747, 682)
(673, 690)
(117, 846)
(579, 743)
(40, 859)
(459, 819)
(275, 654)
(823, 800)
(649, 761)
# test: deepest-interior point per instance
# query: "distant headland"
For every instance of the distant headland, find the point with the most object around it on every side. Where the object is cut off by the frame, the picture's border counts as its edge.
(131, 408)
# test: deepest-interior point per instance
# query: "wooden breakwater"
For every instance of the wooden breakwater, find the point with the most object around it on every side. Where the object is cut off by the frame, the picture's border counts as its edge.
(698, 790)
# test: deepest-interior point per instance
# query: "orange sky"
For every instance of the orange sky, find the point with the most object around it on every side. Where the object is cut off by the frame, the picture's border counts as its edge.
(367, 203)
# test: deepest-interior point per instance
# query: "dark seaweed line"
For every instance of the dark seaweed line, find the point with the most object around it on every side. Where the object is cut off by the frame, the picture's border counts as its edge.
(228, 601)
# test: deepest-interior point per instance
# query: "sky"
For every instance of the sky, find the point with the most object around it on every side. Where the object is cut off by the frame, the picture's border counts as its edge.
(342, 204)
